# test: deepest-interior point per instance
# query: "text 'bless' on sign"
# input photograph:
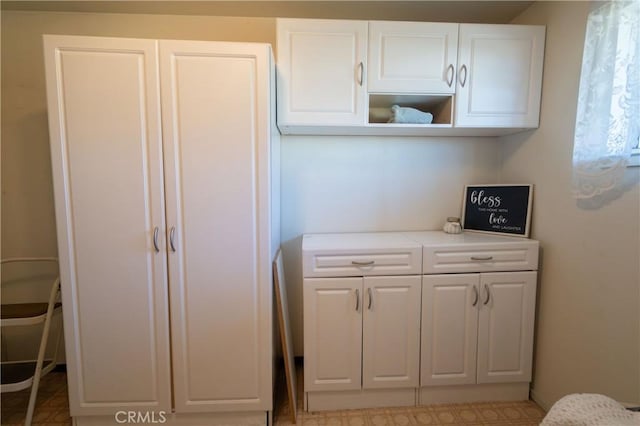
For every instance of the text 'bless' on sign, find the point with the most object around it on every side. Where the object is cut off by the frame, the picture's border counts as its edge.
(503, 209)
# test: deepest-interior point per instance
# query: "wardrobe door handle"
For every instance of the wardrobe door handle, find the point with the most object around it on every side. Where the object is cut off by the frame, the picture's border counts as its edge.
(155, 239)
(172, 234)
(357, 299)
(486, 288)
(463, 80)
(370, 298)
(476, 296)
(361, 72)
(449, 75)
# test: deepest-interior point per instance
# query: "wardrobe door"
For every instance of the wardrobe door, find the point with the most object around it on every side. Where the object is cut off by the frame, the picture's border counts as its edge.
(106, 152)
(215, 104)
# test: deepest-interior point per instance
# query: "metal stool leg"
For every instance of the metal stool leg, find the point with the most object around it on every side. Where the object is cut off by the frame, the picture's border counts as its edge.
(41, 352)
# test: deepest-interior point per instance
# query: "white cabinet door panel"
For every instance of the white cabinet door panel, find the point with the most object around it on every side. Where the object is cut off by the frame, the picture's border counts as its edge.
(505, 331)
(499, 75)
(391, 332)
(215, 115)
(106, 153)
(322, 72)
(449, 329)
(332, 333)
(412, 57)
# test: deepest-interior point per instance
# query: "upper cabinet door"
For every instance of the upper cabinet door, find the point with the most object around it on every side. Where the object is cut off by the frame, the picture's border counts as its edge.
(215, 106)
(499, 75)
(322, 68)
(412, 57)
(106, 152)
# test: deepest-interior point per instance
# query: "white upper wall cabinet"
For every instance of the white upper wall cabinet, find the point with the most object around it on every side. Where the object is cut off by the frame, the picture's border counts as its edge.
(499, 75)
(322, 72)
(412, 57)
(475, 80)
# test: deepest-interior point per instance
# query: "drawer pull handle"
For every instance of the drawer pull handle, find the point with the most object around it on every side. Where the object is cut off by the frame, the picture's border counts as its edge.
(481, 257)
(370, 298)
(369, 263)
(475, 292)
(357, 299)
(486, 288)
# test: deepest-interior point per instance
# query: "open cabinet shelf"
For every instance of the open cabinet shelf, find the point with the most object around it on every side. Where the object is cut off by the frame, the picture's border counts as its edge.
(440, 106)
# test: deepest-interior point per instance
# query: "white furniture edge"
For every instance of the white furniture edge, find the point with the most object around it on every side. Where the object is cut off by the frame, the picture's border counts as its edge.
(381, 129)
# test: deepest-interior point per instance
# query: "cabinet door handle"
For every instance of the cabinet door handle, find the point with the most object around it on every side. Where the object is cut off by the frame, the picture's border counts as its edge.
(370, 298)
(361, 73)
(481, 257)
(476, 296)
(357, 299)
(155, 239)
(369, 263)
(486, 288)
(172, 234)
(463, 80)
(449, 75)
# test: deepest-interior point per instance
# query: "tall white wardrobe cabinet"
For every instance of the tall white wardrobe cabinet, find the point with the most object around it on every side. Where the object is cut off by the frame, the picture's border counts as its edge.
(165, 163)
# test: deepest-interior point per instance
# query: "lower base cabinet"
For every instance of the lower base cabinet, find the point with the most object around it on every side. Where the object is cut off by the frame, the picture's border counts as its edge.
(462, 335)
(477, 328)
(361, 333)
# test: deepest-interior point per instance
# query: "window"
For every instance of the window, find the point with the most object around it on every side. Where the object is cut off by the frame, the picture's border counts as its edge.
(634, 161)
(608, 115)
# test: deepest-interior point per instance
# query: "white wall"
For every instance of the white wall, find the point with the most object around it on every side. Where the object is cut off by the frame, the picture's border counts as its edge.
(588, 317)
(357, 184)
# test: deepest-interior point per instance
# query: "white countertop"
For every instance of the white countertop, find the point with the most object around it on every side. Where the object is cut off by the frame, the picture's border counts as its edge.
(434, 238)
(404, 239)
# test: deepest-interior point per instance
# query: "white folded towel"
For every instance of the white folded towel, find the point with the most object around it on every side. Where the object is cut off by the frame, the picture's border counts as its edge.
(409, 115)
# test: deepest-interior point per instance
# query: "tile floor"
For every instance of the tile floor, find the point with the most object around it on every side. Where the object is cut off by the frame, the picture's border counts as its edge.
(489, 413)
(52, 409)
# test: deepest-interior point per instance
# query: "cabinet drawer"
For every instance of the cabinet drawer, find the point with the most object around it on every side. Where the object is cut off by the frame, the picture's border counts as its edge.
(397, 262)
(360, 254)
(438, 260)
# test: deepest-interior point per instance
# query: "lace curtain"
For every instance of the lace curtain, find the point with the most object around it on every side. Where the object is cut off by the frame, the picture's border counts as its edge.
(608, 116)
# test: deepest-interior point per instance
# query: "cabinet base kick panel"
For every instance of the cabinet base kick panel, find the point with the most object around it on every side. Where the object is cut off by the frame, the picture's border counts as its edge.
(367, 398)
(258, 418)
(473, 393)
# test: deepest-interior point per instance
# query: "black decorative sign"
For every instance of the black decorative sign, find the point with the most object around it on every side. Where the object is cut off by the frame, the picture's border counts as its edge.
(502, 209)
